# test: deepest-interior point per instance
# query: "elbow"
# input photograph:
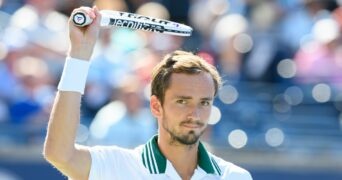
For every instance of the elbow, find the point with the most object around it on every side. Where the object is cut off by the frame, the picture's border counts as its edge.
(49, 156)
(54, 156)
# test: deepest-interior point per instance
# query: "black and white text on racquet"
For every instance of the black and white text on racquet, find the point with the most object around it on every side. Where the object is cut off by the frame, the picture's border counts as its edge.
(112, 18)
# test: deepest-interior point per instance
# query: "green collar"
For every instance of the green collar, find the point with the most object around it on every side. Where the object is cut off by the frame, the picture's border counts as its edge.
(155, 161)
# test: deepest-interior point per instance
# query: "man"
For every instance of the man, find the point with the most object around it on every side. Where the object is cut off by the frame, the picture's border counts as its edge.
(183, 88)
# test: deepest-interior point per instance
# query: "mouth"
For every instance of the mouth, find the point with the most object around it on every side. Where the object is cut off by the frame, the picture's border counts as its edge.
(191, 125)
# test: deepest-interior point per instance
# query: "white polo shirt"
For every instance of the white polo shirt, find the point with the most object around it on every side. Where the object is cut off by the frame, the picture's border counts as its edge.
(147, 162)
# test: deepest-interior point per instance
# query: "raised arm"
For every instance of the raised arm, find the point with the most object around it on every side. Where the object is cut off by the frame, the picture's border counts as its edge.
(59, 149)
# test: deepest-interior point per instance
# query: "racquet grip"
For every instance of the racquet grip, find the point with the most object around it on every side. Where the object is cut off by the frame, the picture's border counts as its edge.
(81, 19)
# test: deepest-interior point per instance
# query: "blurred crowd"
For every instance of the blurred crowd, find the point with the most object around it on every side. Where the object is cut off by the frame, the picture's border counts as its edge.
(256, 41)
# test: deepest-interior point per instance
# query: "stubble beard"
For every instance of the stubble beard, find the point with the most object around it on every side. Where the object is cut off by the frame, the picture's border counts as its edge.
(190, 138)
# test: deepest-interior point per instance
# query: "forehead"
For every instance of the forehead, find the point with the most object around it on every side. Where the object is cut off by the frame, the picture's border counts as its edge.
(201, 84)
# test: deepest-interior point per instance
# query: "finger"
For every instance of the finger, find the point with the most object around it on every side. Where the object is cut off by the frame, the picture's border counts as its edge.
(97, 14)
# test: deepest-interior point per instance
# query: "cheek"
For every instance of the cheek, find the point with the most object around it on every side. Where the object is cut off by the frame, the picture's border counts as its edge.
(205, 113)
(171, 109)
(173, 112)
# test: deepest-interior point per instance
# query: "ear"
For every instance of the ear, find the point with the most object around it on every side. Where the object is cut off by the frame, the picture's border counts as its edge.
(156, 107)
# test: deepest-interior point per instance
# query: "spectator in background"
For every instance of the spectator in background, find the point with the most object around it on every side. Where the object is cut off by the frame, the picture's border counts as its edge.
(27, 93)
(245, 45)
(203, 17)
(41, 28)
(229, 58)
(35, 30)
(298, 21)
(30, 53)
(34, 92)
(262, 47)
(319, 59)
(153, 40)
(125, 115)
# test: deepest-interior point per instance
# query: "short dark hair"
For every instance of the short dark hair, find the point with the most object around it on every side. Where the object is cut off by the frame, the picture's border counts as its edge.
(180, 62)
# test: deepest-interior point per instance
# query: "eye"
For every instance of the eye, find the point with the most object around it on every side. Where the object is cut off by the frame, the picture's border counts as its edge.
(181, 101)
(205, 103)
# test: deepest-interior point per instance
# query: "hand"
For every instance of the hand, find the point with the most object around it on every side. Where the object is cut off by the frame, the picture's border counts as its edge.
(83, 39)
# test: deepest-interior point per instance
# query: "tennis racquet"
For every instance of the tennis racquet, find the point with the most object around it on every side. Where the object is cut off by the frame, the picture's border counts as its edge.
(112, 18)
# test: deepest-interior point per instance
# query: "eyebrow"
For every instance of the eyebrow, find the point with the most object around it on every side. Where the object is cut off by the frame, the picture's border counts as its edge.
(189, 97)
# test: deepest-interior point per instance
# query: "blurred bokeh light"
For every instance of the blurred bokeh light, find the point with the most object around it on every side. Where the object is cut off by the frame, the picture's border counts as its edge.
(321, 93)
(237, 138)
(228, 94)
(286, 68)
(215, 115)
(274, 137)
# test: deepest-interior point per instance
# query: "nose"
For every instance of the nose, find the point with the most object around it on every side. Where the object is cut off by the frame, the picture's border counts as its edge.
(194, 114)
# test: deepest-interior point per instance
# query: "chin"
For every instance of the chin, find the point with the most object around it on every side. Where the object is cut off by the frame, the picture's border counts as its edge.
(189, 138)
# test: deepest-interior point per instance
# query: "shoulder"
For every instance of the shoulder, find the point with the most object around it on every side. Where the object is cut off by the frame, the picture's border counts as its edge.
(108, 162)
(231, 171)
(110, 156)
(110, 152)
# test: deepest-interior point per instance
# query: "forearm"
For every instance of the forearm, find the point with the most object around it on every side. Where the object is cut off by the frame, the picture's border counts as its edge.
(65, 115)
(62, 128)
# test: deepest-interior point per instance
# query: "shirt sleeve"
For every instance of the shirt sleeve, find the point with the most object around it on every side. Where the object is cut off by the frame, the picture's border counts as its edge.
(104, 162)
(238, 173)
(231, 171)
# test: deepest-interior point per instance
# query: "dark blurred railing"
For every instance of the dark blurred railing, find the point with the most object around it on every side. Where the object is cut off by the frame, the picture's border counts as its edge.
(270, 119)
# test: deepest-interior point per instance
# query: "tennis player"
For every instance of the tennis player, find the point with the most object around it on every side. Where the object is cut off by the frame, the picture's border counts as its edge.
(183, 89)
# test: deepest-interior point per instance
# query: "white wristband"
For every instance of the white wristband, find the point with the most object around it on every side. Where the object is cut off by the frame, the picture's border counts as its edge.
(74, 75)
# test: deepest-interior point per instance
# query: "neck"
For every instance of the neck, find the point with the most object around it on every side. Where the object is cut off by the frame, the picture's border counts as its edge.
(176, 153)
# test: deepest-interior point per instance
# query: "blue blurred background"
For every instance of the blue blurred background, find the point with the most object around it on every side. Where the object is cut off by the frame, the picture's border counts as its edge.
(277, 115)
